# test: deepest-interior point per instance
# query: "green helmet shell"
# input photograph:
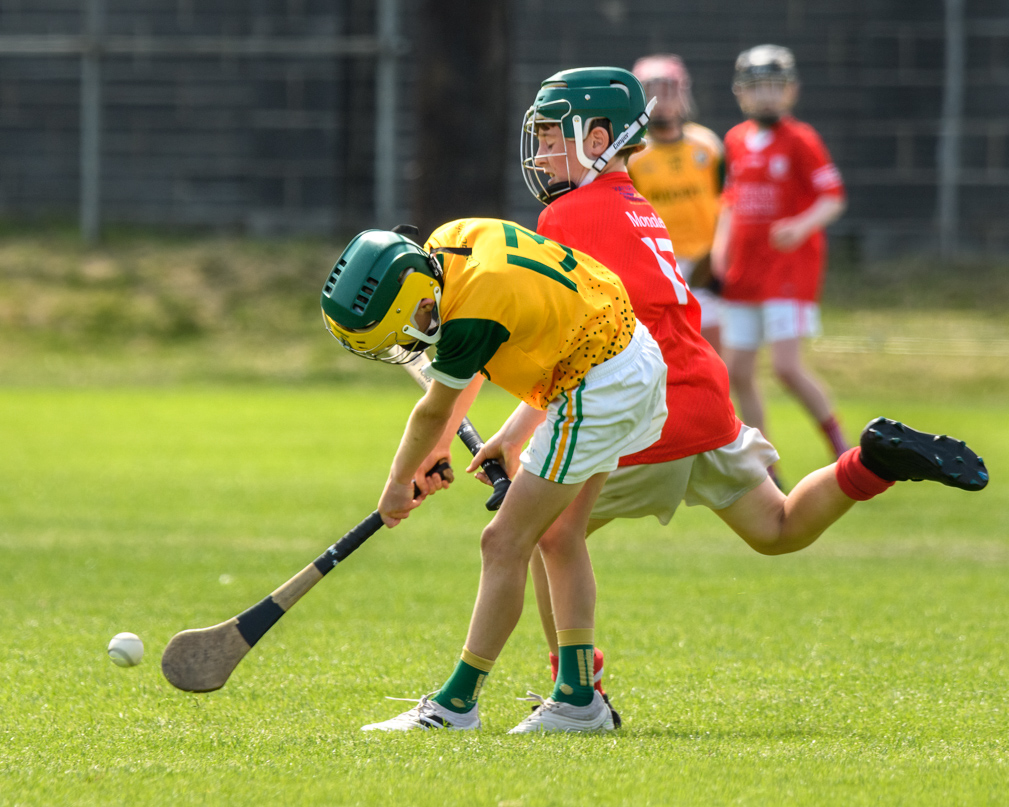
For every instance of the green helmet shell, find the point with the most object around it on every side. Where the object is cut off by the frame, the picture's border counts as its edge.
(592, 92)
(371, 295)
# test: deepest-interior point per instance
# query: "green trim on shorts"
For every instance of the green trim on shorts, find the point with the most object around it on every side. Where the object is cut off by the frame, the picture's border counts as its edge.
(545, 470)
(579, 417)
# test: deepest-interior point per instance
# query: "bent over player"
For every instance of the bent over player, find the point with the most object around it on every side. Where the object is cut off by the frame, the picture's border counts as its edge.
(705, 456)
(555, 328)
(781, 191)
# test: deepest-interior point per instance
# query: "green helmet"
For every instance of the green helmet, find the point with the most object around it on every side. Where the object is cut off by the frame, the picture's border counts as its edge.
(574, 99)
(370, 300)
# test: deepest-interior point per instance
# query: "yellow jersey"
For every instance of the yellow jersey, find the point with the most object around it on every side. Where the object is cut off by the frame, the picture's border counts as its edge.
(532, 315)
(683, 181)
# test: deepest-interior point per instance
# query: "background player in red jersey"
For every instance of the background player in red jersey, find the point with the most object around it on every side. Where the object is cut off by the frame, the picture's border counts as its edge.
(782, 190)
(577, 137)
(680, 172)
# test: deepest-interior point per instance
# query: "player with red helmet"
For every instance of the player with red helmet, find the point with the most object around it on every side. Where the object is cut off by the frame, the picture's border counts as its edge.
(681, 171)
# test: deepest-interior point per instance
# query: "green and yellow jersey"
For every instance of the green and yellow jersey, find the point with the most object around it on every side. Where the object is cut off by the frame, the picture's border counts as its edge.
(683, 181)
(532, 315)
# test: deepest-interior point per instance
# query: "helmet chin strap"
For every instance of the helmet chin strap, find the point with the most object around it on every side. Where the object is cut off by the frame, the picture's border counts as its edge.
(596, 166)
(428, 338)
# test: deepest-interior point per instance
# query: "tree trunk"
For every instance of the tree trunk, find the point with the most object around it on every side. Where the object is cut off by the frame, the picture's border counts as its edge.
(466, 140)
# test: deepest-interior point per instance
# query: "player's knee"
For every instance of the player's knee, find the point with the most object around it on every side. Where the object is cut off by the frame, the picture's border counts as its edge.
(788, 373)
(502, 546)
(759, 518)
(555, 543)
(780, 541)
(769, 545)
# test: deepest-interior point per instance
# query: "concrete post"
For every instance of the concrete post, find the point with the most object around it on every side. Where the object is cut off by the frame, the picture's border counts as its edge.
(385, 114)
(948, 212)
(91, 121)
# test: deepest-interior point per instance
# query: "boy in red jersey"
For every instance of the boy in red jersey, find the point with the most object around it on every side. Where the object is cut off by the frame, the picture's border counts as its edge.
(782, 190)
(575, 150)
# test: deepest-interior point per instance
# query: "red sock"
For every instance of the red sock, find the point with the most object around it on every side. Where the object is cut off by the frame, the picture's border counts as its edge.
(832, 429)
(597, 668)
(858, 482)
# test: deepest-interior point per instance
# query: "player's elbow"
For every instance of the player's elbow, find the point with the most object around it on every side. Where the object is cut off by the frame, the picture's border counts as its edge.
(430, 417)
(438, 403)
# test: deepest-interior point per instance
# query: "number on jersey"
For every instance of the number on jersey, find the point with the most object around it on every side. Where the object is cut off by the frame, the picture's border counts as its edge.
(658, 246)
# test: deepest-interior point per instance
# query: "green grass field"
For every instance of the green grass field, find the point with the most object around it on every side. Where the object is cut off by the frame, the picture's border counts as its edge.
(868, 669)
(157, 475)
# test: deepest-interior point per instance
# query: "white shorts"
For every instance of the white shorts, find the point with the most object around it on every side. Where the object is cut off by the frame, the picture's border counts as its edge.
(715, 479)
(747, 326)
(618, 409)
(711, 303)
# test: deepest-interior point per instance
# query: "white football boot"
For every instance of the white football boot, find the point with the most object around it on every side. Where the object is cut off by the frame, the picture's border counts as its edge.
(559, 716)
(428, 715)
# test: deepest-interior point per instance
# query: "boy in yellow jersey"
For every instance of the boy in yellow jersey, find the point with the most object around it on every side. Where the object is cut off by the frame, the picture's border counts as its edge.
(555, 328)
(681, 171)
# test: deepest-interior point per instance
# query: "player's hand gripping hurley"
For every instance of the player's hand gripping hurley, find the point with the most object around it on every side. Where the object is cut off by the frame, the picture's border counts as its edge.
(202, 659)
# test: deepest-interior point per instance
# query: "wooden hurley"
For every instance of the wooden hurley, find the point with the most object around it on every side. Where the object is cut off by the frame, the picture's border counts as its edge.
(202, 659)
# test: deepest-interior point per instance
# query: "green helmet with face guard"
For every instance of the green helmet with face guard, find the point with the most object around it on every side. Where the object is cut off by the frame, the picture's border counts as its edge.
(575, 100)
(371, 297)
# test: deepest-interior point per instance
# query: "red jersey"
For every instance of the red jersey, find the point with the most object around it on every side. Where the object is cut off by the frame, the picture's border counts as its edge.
(609, 220)
(774, 174)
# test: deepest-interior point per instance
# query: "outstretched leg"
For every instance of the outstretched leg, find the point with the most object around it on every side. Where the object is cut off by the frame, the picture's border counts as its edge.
(775, 524)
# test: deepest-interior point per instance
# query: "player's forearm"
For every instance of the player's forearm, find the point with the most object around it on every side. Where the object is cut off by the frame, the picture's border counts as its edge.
(521, 424)
(428, 422)
(720, 243)
(822, 213)
(462, 405)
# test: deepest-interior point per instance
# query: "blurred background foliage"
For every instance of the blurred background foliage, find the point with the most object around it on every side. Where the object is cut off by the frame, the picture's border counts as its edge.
(154, 308)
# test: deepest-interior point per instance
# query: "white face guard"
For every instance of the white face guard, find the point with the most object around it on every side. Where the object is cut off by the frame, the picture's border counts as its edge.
(537, 178)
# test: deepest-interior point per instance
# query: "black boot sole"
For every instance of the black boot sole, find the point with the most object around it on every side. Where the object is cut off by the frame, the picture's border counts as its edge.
(907, 454)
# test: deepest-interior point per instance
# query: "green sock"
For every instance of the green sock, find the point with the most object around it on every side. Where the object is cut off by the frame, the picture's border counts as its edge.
(575, 680)
(463, 687)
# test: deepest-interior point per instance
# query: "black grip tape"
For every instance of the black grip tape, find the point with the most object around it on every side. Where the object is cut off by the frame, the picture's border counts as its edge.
(351, 541)
(439, 469)
(358, 535)
(257, 620)
(495, 473)
(494, 470)
(469, 436)
(497, 497)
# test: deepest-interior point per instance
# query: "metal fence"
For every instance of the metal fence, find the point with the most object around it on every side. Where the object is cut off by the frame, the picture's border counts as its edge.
(293, 115)
(216, 116)
(910, 96)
